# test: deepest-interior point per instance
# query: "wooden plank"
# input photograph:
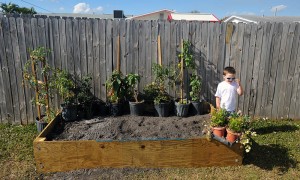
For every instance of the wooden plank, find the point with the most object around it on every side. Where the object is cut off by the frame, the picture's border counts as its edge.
(197, 55)
(96, 55)
(154, 35)
(230, 28)
(283, 103)
(260, 85)
(12, 81)
(273, 60)
(76, 46)
(295, 99)
(148, 52)
(209, 76)
(185, 37)
(34, 33)
(129, 46)
(277, 93)
(29, 47)
(256, 67)
(115, 44)
(56, 48)
(135, 56)
(90, 57)
(142, 54)
(221, 52)
(244, 65)
(249, 70)
(204, 34)
(63, 43)
(173, 61)
(123, 46)
(215, 60)
(108, 50)
(25, 92)
(57, 156)
(82, 45)
(166, 48)
(102, 59)
(69, 64)
(291, 72)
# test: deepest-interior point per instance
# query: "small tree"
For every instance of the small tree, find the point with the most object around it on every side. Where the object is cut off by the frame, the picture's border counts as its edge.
(14, 8)
(37, 66)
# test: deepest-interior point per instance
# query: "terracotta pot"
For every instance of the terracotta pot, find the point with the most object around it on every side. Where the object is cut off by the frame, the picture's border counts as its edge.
(218, 131)
(232, 136)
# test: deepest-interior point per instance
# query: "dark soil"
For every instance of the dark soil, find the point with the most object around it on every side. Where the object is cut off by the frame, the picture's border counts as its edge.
(125, 128)
(133, 128)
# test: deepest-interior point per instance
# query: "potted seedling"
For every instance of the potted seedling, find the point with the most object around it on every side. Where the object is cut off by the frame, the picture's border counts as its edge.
(36, 74)
(195, 84)
(186, 62)
(136, 106)
(85, 97)
(237, 124)
(162, 100)
(116, 91)
(218, 121)
(64, 83)
(150, 92)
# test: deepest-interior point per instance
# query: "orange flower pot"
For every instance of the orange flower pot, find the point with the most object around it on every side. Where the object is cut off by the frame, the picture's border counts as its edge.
(218, 131)
(232, 136)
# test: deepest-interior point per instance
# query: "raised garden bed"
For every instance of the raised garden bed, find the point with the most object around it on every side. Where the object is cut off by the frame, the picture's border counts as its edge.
(129, 141)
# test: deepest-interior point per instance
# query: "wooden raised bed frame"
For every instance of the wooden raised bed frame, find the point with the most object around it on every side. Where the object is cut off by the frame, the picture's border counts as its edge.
(55, 156)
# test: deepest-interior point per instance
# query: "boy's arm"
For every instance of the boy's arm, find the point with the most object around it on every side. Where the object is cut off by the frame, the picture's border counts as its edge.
(218, 102)
(240, 90)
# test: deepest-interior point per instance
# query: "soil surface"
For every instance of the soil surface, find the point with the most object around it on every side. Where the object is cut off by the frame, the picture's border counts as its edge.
(125, 128)
(133, 128)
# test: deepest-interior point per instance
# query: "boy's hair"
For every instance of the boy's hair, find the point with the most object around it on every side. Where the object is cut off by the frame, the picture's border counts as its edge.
(229, 70)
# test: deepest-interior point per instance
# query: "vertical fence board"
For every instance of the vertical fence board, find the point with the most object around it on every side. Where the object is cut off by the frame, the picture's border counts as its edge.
(135, 41)
(154, 35)
(11, 77)
(90, 57)
(249, 69)
(148, 50)
(102, 58)
(173, 59)
(76, 45)
(204, 33)
(142, 54)
(25, 92)
(63, 44)
(282, 110)
(96, 55)
(123, 46)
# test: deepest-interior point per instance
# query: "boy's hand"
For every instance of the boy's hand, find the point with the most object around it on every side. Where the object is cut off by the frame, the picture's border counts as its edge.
(238, 81)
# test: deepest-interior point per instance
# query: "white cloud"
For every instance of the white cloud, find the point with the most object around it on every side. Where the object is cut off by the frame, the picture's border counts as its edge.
(61, 8)
(278, 8)
(85, 8)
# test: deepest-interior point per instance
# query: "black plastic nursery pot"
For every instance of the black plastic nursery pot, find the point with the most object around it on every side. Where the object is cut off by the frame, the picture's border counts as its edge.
(116, 109)
(136, 108)
(88, 110)
(40, 124)
(69, 112)
(182, 110)
(162, 109)
(196, 108)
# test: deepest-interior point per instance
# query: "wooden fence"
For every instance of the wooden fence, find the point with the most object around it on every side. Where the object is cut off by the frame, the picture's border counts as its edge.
(266, 57)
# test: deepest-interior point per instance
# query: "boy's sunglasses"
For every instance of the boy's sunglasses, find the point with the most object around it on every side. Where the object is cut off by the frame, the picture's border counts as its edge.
(231, 78)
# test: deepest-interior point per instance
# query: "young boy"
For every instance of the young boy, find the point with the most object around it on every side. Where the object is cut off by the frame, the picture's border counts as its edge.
(227, 91)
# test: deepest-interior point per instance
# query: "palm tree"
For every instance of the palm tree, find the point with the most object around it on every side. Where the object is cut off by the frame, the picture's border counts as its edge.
(14, 8)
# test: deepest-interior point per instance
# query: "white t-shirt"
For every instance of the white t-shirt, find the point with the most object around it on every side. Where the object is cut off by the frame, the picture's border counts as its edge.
(228, 95)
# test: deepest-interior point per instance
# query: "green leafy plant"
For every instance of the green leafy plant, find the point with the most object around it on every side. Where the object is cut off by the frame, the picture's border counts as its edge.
(131, 81)
(83, 87)
(116, 87)
(65, 85)
(36, 73)
(236, 124)
(151, 91)
(218, 118)
(195, 83)
(187, 55)
(162, 97)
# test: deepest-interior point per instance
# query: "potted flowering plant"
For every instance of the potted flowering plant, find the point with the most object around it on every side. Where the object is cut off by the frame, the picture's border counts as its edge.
(218, 121)
(136, 106)
(37, 66)
(116, 91)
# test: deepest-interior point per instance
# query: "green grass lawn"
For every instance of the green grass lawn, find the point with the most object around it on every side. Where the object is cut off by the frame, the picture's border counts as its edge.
(275, 155)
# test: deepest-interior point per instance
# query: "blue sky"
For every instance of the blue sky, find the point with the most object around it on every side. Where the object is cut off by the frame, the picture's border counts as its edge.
(220, 8)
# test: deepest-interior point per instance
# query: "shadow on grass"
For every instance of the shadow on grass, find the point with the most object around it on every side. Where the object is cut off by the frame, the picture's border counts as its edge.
(270, 156)
(274, 128)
